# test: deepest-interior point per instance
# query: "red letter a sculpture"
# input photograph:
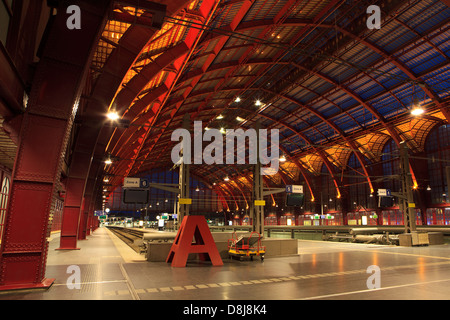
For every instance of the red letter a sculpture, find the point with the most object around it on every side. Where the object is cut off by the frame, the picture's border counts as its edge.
(193, 227)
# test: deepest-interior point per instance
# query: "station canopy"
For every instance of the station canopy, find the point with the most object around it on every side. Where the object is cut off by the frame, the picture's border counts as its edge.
(310, 68)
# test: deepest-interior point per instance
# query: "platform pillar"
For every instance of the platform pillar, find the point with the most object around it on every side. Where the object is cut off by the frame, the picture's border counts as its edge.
(43, 139)
(73, 218)
(88, 225)
(71, 214)
(257, 205)
(183, 204)
(87, 209)
(408, 205)
(83, 220)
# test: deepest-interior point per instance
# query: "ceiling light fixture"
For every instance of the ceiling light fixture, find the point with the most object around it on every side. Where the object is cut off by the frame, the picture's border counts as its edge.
(112, 115)
(417, 109)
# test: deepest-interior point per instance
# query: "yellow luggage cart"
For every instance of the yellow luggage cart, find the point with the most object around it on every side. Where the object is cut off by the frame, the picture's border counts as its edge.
(246, 246)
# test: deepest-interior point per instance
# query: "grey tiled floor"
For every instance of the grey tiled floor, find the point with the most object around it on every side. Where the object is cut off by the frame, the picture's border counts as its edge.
(321, 270)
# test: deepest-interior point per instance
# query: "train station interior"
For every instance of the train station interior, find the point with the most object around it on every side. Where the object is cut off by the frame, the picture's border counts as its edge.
(225, 150)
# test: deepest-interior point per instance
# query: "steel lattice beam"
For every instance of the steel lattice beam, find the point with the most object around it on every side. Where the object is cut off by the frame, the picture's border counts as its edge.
(373, 47)
(93, 133)
(180, 52)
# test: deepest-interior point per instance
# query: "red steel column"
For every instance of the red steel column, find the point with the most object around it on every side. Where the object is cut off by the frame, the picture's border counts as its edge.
(43, 139)
(75, 188)
(83, 221)
(85, 228)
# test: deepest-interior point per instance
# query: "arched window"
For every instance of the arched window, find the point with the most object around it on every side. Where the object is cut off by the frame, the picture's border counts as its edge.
(4, 194)
(437, 147)
(391, 166)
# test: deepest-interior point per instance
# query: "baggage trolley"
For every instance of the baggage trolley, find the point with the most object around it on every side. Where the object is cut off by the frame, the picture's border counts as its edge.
(246, 246)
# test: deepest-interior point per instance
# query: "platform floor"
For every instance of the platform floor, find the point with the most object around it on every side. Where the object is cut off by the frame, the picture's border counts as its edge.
(109, 269)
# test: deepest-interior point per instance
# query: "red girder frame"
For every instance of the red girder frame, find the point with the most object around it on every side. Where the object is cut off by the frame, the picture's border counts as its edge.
(128, 143)
(43, 138)
(93, 137)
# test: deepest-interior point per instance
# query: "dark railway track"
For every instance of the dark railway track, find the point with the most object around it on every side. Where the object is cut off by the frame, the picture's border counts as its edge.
(133, 238)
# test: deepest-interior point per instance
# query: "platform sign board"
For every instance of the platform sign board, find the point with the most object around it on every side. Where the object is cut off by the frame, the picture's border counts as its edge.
(294, 189)
(135, 195)
(384, 192)
(295, 199)
(98, 213)
(129, 182)
(185, 201)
